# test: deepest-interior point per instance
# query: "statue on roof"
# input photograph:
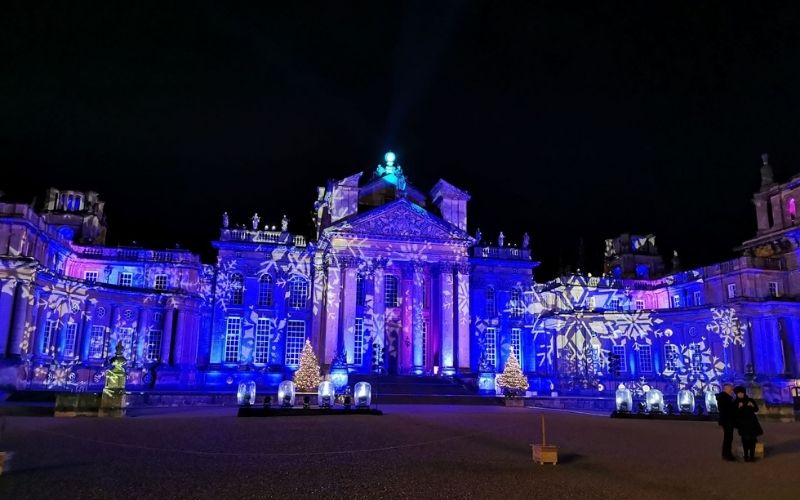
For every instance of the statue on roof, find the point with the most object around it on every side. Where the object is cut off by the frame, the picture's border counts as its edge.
(225, 220)
(501, 239)
(526, 241)
(478, 236)
(284, 224)
(255, 220)
(767, 176)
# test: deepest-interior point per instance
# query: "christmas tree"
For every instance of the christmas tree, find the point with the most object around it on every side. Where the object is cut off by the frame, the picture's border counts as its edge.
(306, 378)
(512, 377)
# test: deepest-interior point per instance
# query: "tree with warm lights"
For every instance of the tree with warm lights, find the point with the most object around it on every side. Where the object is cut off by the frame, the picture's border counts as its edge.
(306, 378)
(512, 377)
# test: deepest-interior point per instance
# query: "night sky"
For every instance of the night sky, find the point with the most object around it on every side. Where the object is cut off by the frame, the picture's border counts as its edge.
(566, 123)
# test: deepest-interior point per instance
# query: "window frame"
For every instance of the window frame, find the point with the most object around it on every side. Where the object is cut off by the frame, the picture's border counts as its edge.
(233, 336)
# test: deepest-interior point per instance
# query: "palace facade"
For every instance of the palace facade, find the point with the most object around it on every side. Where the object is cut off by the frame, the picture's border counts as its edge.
(391, 281)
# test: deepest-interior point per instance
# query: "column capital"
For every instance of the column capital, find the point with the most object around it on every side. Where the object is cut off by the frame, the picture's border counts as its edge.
(462, 268)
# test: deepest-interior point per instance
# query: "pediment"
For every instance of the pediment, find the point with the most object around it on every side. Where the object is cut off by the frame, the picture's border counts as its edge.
(399, 219)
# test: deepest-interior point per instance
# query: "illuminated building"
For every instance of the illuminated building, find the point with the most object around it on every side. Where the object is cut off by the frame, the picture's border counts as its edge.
(392, 280)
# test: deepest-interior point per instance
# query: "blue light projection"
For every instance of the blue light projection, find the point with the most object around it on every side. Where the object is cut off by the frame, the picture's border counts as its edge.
(392, 283)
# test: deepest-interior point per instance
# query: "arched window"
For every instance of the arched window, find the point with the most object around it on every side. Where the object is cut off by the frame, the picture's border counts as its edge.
(237, 289)
(491, 304)
(390, 294)
(265, 291)
(298, 292)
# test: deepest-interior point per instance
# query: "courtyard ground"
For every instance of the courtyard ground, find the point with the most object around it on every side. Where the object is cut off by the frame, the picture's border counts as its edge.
(410, 452)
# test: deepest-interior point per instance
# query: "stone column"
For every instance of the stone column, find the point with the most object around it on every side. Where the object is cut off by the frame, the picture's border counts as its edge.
(21, 311)
(7, 291)
(418, 281)
(181, 336)
(86, 339)
(446, 295)
(331, 324)
(404, 341)
(463, 315)
(166, 336)
(348, 271)
(379, 305)
(318, 313)
(140, 342)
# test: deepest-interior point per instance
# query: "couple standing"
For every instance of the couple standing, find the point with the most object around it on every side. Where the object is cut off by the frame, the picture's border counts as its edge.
(738, 411)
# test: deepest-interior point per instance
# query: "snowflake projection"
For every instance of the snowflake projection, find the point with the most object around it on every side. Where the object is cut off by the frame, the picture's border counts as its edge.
(638, 387)
(348, 246)
(224, 289)
(393, 331)
(637, 326)
(317, 291)
(27, 336)
(463, 302)
(726, 324)
(695, 366)
(67, 299)
(545, 349)
(61, 376)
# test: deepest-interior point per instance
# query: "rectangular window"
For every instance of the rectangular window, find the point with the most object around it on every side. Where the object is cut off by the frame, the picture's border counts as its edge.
(698, 299)
(639, 304)
(697, 359)
(361, 296)
(424, 342)
(69, 341)
(50, 330)
(516, 339)
(491, 346)
(731, 290)
(390, 291)
(615, 305)
(298, 293)
(295, 338)
(161, 282)
(491, 304)
(153, 348)
(676, 300)
(358, 342)
(622, 362)
(125, 279)
(773, 289)
(597, 359)
(263, 331)
(97, 342)
(90, 276)
(670, 357)
(591, 304)
(645, 359)
(517, 307)
(125, 335)
(233, 332)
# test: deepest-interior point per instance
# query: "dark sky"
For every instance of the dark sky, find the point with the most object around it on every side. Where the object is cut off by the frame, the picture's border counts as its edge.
(567, 123)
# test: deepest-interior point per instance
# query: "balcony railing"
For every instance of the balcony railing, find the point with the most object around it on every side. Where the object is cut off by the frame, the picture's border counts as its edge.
(136, 254)
(274, 237)
(501, 253)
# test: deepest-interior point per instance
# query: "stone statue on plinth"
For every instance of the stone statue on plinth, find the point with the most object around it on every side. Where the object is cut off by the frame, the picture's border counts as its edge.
(112, 403)
(225, 220)
(526, 241)
(255, 220)
(478, 236)
(767, 176)
(284, 224)
(501, 239)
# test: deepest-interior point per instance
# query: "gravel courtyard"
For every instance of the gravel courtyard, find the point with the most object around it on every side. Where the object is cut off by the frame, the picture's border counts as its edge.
(410, 452)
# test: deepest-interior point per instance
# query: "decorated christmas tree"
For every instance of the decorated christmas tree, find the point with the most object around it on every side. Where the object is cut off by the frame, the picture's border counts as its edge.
(306, 378)
(512, 377)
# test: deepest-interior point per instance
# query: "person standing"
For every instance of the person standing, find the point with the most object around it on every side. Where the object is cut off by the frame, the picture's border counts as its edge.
(747, 423)
(727, 420)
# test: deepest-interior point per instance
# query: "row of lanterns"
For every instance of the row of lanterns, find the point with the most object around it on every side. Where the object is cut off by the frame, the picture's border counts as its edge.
(654, 400)
(326, 395)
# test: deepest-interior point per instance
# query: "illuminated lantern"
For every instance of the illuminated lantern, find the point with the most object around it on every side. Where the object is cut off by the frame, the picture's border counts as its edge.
(246, 394)
(624, 399)
(363, 394)
(711, 402)
(286, 393)
(325, 394)
(655, 401)
(686, 401)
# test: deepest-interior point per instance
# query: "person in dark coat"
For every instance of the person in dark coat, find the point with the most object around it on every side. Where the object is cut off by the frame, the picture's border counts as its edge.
(747, 423)
(727, 419)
